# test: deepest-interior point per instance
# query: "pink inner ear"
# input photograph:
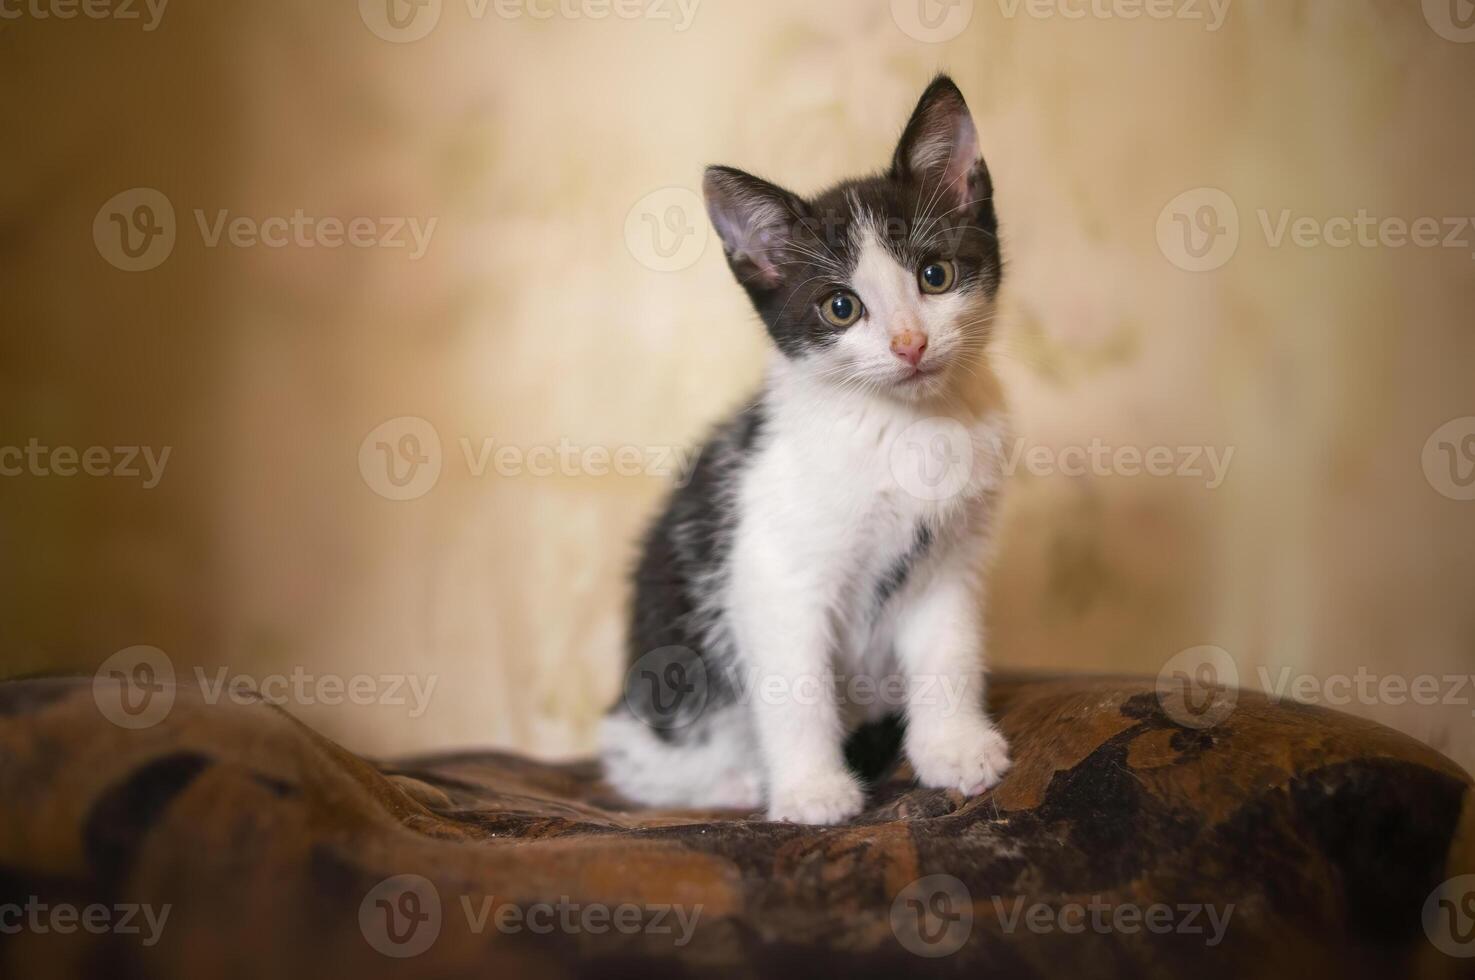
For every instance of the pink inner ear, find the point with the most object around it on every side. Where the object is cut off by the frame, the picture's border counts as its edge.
(964, 157)
(749, 227)
(948, 150)
(750, 245)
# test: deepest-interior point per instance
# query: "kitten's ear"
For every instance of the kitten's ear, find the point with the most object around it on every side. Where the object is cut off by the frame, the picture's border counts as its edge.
(940, 146)
(755, 220)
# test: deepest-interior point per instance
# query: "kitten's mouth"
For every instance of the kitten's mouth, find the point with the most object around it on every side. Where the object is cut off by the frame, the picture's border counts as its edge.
(920, 374)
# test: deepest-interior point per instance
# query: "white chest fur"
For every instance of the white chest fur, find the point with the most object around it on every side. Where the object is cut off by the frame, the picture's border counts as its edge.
(848, 492)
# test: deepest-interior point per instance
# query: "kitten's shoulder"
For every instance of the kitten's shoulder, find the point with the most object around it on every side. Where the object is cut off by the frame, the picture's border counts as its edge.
(727, 448)
(703, 503)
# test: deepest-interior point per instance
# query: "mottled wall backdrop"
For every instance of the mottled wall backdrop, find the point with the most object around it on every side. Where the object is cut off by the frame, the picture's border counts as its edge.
(249, 235)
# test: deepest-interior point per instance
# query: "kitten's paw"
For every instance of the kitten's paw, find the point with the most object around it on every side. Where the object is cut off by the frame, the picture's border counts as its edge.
(827, 799)
(969, 758)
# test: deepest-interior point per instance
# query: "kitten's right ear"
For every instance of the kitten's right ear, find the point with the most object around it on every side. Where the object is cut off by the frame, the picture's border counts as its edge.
(755, 220)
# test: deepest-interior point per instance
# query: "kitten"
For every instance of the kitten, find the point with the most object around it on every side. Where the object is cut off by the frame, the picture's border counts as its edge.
(811, 577)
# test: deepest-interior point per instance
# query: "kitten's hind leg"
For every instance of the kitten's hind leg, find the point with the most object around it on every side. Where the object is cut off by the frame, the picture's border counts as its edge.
(707, 766)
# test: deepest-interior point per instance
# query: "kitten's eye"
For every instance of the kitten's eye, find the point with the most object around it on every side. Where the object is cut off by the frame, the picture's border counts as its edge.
(937, 277)
(842, 309)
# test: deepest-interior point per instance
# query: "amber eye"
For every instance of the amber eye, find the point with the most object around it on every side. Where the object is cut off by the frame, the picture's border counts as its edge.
(937, 277)
(842, 309)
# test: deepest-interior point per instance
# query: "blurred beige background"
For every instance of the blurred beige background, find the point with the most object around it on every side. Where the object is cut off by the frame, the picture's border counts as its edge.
(542, 311)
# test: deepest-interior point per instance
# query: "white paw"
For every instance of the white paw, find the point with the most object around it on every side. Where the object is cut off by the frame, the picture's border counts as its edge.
(968, 757)
(825, 799)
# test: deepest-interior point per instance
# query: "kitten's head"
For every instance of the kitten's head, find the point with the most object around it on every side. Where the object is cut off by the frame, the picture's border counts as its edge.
(885, 283)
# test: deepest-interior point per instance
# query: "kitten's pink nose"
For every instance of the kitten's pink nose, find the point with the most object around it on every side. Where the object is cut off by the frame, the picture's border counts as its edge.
(909, 345)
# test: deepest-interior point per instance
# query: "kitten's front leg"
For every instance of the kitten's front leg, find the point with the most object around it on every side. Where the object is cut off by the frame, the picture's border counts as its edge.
(785, 642)
(950, 740)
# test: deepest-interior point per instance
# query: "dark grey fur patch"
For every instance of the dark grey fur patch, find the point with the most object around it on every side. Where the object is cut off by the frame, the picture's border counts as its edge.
(682, 565)
(896, 576)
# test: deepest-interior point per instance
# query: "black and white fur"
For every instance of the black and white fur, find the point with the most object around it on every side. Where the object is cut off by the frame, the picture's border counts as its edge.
(795, 561)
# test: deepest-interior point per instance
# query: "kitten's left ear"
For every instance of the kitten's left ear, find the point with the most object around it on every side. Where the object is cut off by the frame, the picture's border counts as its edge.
(940, 146)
